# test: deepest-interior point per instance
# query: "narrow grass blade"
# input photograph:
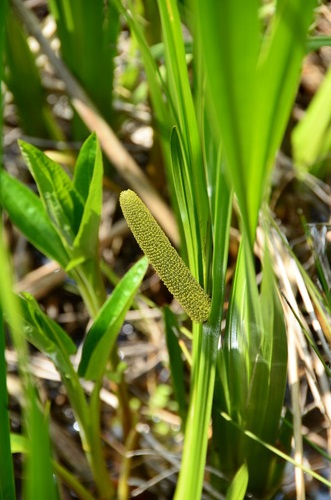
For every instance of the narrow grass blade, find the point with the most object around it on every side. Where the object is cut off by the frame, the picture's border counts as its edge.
(160, 99)
(51, 340)
(40, 482)
(88, 32)
(18, 443)
(184, 196)
(314, 43)
(102, 335)
(177, 367)
(278, 452)
(88, 184)
(183, 107)
(35, 114)
(26, 211)
(190, 481)
(310, 151)
(239, 484)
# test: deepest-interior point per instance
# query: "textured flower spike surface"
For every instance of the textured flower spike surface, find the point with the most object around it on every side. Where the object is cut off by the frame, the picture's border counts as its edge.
(164, 258)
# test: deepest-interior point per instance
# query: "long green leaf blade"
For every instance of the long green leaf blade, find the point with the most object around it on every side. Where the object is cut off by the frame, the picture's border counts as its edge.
(192, 172)
(238, 486)
(40, 482)
(88, 183)
(103, 333)
(232, 82)
(176, 363)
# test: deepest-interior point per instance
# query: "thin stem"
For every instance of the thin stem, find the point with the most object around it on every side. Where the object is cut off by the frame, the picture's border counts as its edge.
(190, 480)
(70, 480)
(91, 287)
(123, 491)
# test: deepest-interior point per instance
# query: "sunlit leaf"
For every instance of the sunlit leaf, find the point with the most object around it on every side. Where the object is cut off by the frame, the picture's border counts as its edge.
(63, 204)
(28, 213)
(102, 335)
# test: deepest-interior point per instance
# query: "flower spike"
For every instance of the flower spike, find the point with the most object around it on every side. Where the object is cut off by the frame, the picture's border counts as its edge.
(164, 258)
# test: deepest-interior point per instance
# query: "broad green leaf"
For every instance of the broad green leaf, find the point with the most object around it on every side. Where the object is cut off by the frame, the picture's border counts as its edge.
(252, 78)
(62, 202)
(103, 333)
(85, 166)
(27, 212)
(238, 485)
(88, 183)
(231, 79)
